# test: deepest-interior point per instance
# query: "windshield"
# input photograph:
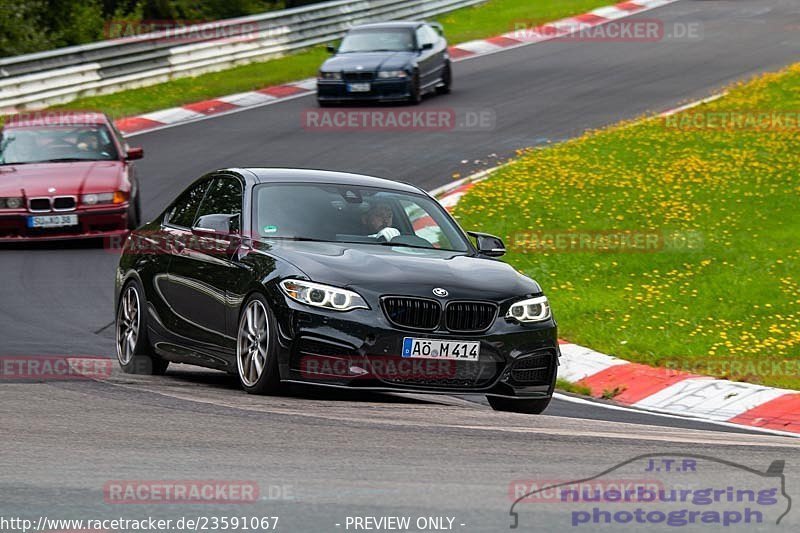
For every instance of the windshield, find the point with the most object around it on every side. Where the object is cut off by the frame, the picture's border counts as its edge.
(349, 214)
(383, 40)
(37, 144)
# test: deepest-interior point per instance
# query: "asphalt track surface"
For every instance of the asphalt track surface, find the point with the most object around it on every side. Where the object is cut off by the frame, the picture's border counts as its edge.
(344, 454)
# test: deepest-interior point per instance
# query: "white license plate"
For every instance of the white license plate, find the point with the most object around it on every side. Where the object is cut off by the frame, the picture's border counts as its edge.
(358, 87)
(52, 221)
(439, 349)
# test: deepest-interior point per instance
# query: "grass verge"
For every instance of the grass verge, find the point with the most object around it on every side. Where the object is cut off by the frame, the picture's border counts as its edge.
(574, 388)
(485, 20)
(711, 195)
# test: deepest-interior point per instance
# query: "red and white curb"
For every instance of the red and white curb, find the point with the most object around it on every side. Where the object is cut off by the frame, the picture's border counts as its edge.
(278, 93)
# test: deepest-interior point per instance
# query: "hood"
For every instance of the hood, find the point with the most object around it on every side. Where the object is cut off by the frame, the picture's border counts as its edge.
(369, 61)
(382, 270)
(76, 178)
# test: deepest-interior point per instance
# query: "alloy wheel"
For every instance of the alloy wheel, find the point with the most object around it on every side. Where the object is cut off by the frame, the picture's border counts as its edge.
(128, 325)
(252, 343)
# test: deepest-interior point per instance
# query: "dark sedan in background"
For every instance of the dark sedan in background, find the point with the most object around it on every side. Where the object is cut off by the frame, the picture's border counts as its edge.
(327, 278)
(386, 62)
(66, 175)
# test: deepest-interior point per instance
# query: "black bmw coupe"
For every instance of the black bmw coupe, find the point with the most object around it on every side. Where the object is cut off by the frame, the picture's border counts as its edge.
(387, 61)
(306, 276)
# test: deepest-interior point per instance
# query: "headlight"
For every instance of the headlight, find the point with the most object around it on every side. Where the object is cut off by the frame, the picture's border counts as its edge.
(393, 74)
(330, 75)
(10, 203)
(325, 296)
(104, 198)
(531, 310)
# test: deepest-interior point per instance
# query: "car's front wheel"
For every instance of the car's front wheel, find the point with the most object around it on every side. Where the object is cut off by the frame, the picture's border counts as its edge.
(447, 80)
(134, 213)
(133, 348)
(533, 407)
(415, 96)
(256, 348)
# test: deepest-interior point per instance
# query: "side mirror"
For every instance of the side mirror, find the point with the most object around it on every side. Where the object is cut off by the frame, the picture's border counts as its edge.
(216, 225)
(438, 27)
(427, 46)
(134, 153)
(331, 48)
(488, 244)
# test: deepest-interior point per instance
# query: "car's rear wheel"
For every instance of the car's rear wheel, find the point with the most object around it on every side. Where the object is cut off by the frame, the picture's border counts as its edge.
(256, 349)
(134, 352)
(416, 90)
(447, 80)
(533, 407)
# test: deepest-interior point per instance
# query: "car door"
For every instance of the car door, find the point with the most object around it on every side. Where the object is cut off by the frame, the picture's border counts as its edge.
(431, 60)
(201, 272)
(175, 227)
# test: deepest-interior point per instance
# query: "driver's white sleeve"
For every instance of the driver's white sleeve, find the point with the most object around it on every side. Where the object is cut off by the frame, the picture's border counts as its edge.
(389, 233)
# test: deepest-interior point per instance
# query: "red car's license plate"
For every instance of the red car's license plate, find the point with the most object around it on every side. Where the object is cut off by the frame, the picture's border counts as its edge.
(52, 221)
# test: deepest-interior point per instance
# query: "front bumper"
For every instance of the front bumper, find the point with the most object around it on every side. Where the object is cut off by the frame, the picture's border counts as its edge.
(92, 223)
(380, 90)
(360, 349)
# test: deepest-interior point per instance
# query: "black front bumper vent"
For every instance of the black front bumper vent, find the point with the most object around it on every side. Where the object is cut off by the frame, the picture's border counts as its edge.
(535, 368)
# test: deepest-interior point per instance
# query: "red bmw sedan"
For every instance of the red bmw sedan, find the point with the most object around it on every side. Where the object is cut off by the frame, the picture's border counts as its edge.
(66, 175)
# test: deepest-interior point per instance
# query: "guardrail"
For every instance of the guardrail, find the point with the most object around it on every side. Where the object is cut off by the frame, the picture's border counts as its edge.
(46, 78)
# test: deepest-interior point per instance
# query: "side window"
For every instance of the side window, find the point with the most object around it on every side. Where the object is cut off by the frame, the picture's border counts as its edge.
(426, 35)
(183, 211)
(420, 37)
(424, 225)
(224, 197)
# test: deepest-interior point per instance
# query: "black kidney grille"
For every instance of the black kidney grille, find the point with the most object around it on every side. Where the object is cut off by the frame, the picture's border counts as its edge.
(40, 204)
(533, 369)
(358, 76)
(470, 316)
(64, 203)
(416, 313)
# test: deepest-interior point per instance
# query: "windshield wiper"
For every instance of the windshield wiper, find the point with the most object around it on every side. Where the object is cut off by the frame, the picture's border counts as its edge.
(299, 239)
(65, 160)
(404, 245)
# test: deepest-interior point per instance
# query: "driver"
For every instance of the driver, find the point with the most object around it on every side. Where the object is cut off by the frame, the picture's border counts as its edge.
(88, 142)
(378, 222)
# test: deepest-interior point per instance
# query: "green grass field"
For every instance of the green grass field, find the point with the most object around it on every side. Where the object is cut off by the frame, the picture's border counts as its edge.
(717, 289)
(485, 20)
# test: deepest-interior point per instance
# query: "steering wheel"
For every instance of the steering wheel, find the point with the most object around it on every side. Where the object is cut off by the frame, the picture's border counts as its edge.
(411, 240)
